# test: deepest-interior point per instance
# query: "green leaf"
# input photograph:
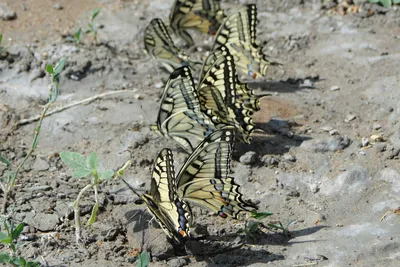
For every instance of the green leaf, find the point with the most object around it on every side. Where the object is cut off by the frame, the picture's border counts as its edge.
(386, 3)
(78, 35)
(93, 216)
(144, 259)
(32, 264)
(4, 238)
(59, 67)
(396, 1)
(93, 161)
(73, 160)
(19, 261)
(81, 173)
(95, 12)
(4, 257)
(374, 1)
(15, 234)
(107, 174)
(1, 37)
(4, 160)
(49, 69)
(260, 215)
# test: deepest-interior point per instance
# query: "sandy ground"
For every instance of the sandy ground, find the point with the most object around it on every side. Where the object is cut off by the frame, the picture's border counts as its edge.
(328, 167)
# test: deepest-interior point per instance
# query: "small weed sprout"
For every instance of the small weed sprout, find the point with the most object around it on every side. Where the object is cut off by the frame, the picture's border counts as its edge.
(251, 227)
(92, 29)
(8, 181)
(144, 259)
(2, 49)
(385, 3)
(84, 167)
(9, 239)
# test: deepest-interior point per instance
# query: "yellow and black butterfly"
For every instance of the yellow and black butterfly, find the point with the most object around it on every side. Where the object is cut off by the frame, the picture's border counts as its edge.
(173, 214)
(238, 33)
(203, 15)
(204, 178)
(158, 44)
(223, 98)
(180, 117)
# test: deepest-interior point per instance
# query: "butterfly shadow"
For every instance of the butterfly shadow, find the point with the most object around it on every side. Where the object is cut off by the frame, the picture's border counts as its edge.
(228, 250)
(272, 138)
(289, 85)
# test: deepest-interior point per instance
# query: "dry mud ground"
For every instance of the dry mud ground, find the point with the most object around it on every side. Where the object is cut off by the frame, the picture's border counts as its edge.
(328, 165)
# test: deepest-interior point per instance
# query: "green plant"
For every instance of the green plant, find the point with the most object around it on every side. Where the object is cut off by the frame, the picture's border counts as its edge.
(84, 167)
(144, 259)
(251, 227)
(385, 3)
(92, 29)
(4, 48)
(8, 181)
(9, 239)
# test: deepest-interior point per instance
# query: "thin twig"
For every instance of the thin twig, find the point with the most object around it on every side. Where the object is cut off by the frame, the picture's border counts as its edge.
(77, 213)
(80, 102)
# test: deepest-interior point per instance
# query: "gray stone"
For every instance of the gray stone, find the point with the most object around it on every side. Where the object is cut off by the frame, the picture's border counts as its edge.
(349, 118)
(364, 141)
(289, 158)
(58, 6)
(177, 262)
(333, 143)
(352, 181)
(40, 165)
(38, 188)
(42, 221)
(248, 158)
(335, 88)
(7, 13)
(140, 229)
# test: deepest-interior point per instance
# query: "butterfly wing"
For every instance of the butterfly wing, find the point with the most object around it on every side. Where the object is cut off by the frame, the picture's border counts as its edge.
(180, 117)
(204, 178)
(172, 213)
(158, 44)
(203, 15)
(238, 33)
(231, 102)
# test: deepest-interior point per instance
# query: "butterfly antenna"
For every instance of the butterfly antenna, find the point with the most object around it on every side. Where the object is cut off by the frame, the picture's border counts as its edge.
(131, 188)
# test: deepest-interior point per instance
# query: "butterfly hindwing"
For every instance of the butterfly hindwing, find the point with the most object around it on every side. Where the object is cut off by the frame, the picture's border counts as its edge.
(172, 213)
(203, 15)
(204, 178)
(180, 117)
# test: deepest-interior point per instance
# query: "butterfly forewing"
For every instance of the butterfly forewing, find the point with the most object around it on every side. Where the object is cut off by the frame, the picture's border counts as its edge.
(180, 117)
(238, 33)
(172, 213)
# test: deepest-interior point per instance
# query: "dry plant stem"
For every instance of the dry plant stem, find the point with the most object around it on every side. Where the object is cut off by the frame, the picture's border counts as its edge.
(11, 183)
(77, 213)
(80, 102)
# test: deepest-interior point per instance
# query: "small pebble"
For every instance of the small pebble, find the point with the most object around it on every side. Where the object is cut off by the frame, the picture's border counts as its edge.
(333, 132)
(58, 6)
(349, 118)
(289, 158)
(326, 128)
(158, 85)
(138, 96)
(364, 142)
(74, 77)
(377, 126)
(307, 83)
(248, 158)
(335, 88)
